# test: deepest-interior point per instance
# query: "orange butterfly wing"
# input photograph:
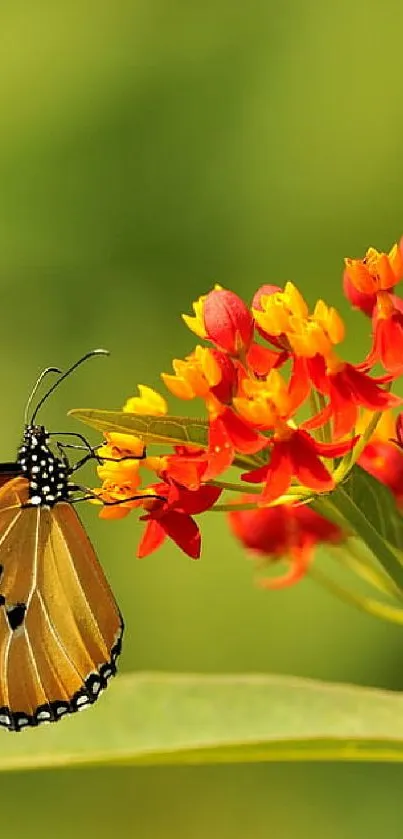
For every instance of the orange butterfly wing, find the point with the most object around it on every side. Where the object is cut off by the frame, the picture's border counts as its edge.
(60, 628)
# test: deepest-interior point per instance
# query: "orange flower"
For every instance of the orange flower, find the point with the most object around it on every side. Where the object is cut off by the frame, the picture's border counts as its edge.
(364, 302)
(119, 499)
(121, 455)
(377, 271)
(387, 326)
(348, 389)
(276, 310)
(266, 402)
(205, 373)
(295, 454)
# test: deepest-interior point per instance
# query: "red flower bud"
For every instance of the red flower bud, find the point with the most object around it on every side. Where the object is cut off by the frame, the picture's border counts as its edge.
(227, 387)
(228, 321)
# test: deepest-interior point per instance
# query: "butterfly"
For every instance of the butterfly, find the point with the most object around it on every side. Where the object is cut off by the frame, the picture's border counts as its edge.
(60, 628)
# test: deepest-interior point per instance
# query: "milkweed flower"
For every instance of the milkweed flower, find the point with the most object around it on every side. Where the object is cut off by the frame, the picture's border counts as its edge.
(369, 284)
(281, 405)
(377, 271)
(290, 532)
(173, 518)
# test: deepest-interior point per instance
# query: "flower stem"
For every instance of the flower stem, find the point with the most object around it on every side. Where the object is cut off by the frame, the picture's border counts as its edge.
(364, 604)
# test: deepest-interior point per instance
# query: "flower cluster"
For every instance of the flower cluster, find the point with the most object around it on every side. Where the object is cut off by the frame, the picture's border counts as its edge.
(282, 405)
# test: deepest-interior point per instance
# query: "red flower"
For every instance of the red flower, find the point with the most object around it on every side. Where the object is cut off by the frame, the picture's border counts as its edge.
(173, 518)
(227, 386)
(377, 271)
(348, 389)
(229, 434)
(387, 326)
(263, 359)
(291, 531)
(297, 456)
(358, 299)
(384, 461)
(186, 467)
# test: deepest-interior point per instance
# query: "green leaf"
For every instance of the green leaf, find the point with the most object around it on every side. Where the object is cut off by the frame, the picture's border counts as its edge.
(152, 719)
(367, 508)
(165, 429)
(376, 502)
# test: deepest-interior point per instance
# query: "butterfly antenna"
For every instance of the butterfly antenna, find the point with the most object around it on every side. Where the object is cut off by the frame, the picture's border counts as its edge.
(61, 379)
(35, 388)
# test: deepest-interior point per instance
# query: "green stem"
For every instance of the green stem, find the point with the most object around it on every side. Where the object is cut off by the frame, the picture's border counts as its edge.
(343, 508)
(364, 604)
(351, 557)
(351, 457)
(250, 488)
(230, 508)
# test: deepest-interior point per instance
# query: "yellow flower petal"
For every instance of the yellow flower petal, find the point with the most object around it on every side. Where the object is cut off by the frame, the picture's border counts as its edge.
(149, 402)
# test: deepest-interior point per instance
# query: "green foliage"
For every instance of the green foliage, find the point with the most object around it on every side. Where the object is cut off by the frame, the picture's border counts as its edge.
(165, 429)
(148, 719)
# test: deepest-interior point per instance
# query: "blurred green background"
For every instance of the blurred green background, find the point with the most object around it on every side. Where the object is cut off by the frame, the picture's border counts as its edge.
(148, 150)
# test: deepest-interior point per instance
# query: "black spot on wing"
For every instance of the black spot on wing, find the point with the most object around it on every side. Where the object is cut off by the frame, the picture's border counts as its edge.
(15, 615)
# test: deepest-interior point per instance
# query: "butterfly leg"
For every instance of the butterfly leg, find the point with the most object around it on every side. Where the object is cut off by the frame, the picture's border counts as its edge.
(91, 453)
(92, 496)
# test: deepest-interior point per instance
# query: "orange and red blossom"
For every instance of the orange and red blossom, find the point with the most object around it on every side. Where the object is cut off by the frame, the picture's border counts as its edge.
(120, 456)
(288, 531)
(262, 364)
(387, 334)
(173, 517)
(294, 454)
(377, 271)
(275, 309)
(205, 373)
(368, 284)
(348, 388)
(313, 338)
(358, 299)
(214, 377)
(224, 319)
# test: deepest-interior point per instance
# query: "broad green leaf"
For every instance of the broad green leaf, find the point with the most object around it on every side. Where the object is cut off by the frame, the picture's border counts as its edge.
(165, 429)
(153, 719)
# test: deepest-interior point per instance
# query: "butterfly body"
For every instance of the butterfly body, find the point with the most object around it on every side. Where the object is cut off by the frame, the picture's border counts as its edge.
(60, 628)
(46, 473)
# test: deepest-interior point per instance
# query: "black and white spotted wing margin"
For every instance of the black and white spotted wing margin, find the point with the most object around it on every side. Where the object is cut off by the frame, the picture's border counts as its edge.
(60, 628)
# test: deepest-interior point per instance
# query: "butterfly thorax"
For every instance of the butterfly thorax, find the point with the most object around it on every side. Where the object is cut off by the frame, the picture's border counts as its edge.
(47, 474)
